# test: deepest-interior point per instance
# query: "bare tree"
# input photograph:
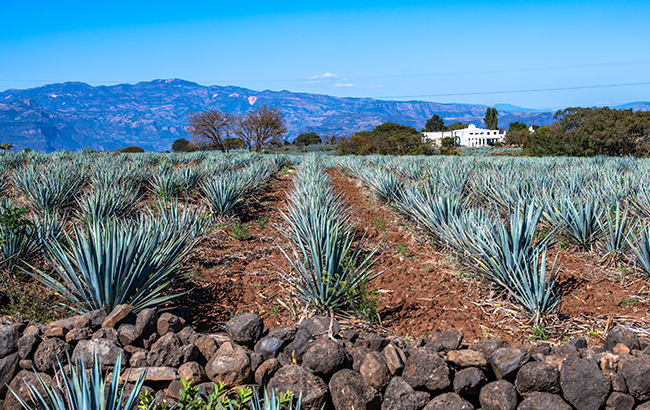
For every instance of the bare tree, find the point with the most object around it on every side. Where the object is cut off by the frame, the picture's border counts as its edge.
(211, 127)
(245, 129)
(261, 126)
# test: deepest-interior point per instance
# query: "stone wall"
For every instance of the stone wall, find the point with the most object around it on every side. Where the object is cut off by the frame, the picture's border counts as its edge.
(343, 370)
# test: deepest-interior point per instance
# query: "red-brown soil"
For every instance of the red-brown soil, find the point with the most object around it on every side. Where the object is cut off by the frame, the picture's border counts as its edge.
(420, 291)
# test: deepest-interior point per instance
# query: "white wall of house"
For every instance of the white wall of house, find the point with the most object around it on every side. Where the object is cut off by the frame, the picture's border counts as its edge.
(468, 137)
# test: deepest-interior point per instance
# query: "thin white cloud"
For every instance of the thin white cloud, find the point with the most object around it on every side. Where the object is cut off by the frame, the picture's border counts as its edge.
(376, 86)
(344, 85)
(326, 75)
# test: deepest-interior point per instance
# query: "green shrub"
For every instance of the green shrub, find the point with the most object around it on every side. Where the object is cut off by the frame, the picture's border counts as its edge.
(240, 232)
(131, 150)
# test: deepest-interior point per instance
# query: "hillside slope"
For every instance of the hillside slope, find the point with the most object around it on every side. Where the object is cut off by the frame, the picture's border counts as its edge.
(153, 114)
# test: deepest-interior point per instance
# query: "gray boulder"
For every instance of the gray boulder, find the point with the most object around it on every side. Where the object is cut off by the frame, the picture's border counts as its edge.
(107, 352)
(468, 381)
(636, 372)
(8, 340)
(230, 365)
(583, 384)
(319, 326)
(537, 377)
(449, 401)
(620, 334)
(245, 329)
(49, 353)
(543, 401)
(507, 361)
(499, 395)
(444, 341)
(400, 396)
(349, 391)
(426, 370)
(296, 379)
(324, 357)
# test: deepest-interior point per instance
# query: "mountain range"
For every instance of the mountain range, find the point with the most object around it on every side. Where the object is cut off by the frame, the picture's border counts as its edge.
(153, 114)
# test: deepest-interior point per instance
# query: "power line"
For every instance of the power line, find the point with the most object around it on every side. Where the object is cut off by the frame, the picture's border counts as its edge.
(532, 90)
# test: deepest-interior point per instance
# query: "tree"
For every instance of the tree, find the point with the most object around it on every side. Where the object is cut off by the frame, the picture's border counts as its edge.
(5, 146)
(263, 125)
(448, 142)
(387, 139)
(593, 131)
(517, 126)
(435, 123)
(211, 127)
(132, 149)
(181, 145)
(457, 126)
(307, 139)
(490, 119)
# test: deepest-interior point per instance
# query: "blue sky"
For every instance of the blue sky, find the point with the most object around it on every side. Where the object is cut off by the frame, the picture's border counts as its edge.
(532, 54)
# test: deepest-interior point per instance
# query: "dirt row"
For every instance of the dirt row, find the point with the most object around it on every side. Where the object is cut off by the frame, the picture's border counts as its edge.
(420, 290)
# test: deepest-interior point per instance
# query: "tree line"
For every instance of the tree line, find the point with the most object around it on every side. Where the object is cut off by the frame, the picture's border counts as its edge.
(580, 131)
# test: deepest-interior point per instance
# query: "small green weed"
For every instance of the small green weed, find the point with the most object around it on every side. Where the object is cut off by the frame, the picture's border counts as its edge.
(379, 222)
(275, 309)
(539, 333)
(628, 302)
(31, 301)
(190, 399)
(264, 221)
(240, 231)
(402, 249)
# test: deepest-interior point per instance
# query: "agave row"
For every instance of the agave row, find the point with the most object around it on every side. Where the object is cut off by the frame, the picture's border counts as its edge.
(331, 270)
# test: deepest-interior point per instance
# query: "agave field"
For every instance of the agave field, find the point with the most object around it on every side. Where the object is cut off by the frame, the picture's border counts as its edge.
(506, 247)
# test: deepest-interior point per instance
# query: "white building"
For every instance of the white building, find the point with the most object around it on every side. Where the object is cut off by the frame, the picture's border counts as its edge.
(468, 137)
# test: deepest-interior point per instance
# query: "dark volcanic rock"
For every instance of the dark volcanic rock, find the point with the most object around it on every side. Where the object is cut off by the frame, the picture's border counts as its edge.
(636, 372)
(265, 371)
(499, 395)
(468, 382)
(375, 371)
(107, 352)
(444, 341)
(119, 313)
(146, 322)
(543, 401)
(619, 401)
(8, 368)
(349, 391)
(449, 401)
(400, 396)
(319, 326)
(583, 384)
(166, 351)
(295, 379)
(245, 329)
(537, 377)
(230, 365)
(27, 344)
(299, 345)
(426, 370)
(47, 353)
(619, 334)
(269, 347)
(19, 386)
(8, 340)
(324, 356)
(507, 361)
